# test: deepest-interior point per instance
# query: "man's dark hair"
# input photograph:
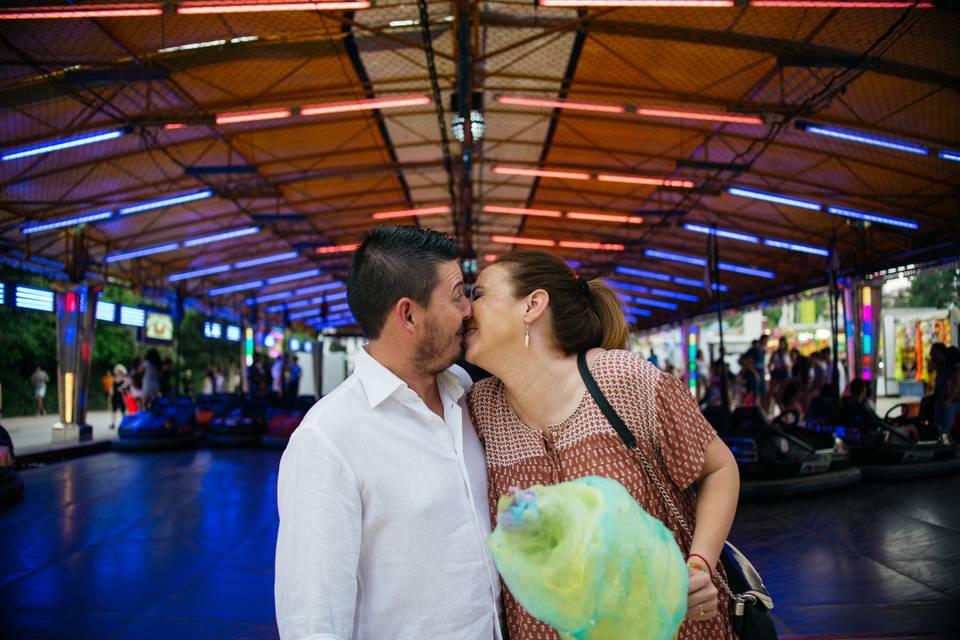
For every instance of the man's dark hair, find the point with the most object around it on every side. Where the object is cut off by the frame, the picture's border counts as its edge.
(392, 263)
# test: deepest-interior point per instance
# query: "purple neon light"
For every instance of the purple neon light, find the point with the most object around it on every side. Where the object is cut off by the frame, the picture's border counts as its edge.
(62, 143)
(233, 288)
(198, 273)
(223, 235)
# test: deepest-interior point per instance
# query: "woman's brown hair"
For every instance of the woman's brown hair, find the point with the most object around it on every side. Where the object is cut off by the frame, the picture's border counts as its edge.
(583, 314)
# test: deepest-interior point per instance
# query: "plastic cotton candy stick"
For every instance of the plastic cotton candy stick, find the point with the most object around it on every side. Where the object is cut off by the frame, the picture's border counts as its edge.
(586, 559)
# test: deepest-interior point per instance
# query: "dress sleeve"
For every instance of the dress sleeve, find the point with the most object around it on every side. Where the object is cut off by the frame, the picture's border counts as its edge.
(684, 432)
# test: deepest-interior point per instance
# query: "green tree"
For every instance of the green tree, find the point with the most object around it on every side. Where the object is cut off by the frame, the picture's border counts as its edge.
(936, 289)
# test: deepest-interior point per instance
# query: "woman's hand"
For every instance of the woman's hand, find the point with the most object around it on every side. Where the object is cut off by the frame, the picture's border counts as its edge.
(701, 596)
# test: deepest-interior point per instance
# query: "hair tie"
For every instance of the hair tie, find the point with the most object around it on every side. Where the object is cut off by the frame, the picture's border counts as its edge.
(584, 286)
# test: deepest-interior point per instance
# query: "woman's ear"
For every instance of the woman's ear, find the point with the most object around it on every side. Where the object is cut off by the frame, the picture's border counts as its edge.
(537, 302)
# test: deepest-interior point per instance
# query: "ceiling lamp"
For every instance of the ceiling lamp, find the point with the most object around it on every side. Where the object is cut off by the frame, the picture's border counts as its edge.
(636, 3)
(476, 116)
(364, 105)
(521, 211)
(411, 213)
(862, 137)
(541, 173)
(252, 6)
(72, 221)
(340, 248)
(89, 11)
(60, 144)
(649, 112)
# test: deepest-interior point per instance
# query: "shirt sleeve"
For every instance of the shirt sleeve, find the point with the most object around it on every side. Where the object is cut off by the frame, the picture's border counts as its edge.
(318, 545)
(684, 432)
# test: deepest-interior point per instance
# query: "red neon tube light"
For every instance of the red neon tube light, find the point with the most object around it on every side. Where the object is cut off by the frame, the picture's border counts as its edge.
(560, 104)
(339, 248)
(409, 213)
(541, 173)
(364, 105)
(839, 4)
(252, 116)
(596, 246)
(490, 257)
(636, 3)
(250, 6)
(533, 242)
(89, 11)
(699, 115)
(521, 211)
(604, 217)
(656, 182)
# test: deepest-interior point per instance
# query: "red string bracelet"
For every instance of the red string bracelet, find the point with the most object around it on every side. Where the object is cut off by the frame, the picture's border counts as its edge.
(706, 565)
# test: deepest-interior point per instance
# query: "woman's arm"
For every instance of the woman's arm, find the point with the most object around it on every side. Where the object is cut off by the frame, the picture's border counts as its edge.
(717, 492)
(718, 489)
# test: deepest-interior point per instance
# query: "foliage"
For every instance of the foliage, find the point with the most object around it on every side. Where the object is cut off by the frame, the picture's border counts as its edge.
(773, 313)
(937, 289)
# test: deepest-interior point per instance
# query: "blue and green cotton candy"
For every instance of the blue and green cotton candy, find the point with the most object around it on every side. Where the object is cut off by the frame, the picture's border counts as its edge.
(586, 559)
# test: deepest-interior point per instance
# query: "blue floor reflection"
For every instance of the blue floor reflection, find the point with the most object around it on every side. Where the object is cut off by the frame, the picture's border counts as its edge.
(181, 544)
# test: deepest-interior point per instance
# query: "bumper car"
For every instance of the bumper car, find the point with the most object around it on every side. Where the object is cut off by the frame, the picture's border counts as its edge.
(283, 420)
(775, 462)
(823, 442)
(11, 484)
(897, 446)
(169, 423)
(241, 425)
(210, 406)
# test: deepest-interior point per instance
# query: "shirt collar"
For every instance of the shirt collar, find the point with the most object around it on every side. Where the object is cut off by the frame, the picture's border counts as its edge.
(379, 383)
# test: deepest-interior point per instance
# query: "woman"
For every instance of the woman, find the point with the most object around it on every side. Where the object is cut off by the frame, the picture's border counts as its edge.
(780, 372)
(531, 317)
(118, 387)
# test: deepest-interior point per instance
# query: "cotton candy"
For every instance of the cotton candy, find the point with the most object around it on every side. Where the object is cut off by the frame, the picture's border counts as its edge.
(586, 559)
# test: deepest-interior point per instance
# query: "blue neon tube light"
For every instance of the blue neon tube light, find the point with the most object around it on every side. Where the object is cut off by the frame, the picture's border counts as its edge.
(637, 312)
(626, 286)
(302, 291)
(666, 293)
(947, 154)
(745, 270)
(863, 138)
(796, 246)
(872, 217)
(336, 296)
(256, 262)
(339, 307)
(166, 202)
(299, 275)
(72, 221)
(675, 257)
(722, 233)
(659, 304)
(197, 273)
(642, 273)
(309, 313)
(223, 235)
(139, 253)
(775, 198)
(62, 143)
(233, 288)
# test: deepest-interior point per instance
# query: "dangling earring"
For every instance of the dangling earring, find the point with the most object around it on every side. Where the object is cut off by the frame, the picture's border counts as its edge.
(526, 336)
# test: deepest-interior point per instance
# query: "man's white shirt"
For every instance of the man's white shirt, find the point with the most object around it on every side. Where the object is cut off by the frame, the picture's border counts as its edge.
(384, 518)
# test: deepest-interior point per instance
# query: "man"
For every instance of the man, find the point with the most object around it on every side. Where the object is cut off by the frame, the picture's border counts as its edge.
(382, 489)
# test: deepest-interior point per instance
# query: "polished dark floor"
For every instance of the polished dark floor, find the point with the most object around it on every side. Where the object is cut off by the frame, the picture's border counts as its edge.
(181, 545)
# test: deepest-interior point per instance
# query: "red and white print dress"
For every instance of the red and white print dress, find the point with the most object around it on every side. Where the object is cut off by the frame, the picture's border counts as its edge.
(649, 402)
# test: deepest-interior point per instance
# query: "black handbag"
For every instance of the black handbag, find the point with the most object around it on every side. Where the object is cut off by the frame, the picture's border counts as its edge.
(750, 602)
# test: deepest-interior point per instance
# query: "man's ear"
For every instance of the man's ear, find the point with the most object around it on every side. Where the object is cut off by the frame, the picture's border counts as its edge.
(403, 314)
(537, 303)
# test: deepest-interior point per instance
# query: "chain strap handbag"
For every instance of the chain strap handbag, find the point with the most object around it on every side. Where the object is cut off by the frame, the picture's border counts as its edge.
(749, 600)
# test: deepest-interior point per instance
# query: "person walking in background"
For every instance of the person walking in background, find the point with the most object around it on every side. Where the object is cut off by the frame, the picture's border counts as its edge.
(293, 380)
(151, 377)
(40, 380)
(118, 388)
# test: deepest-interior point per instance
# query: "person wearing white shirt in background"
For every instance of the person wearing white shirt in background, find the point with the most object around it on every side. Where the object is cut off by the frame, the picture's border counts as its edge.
(382, 489)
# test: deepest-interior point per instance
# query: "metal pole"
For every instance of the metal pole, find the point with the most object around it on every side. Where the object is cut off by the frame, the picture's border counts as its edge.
(715, 286)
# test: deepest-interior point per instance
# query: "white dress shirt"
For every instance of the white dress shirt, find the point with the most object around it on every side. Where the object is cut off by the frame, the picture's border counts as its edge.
(383, 517)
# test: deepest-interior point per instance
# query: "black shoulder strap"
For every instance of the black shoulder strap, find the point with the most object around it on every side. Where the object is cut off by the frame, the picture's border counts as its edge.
(603, 403)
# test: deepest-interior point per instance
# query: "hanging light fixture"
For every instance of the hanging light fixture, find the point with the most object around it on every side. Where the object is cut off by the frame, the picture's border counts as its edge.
(476, 117)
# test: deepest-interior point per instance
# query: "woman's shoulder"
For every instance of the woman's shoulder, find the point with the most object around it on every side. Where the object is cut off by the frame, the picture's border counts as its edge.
(623, 363)
(484, 393)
